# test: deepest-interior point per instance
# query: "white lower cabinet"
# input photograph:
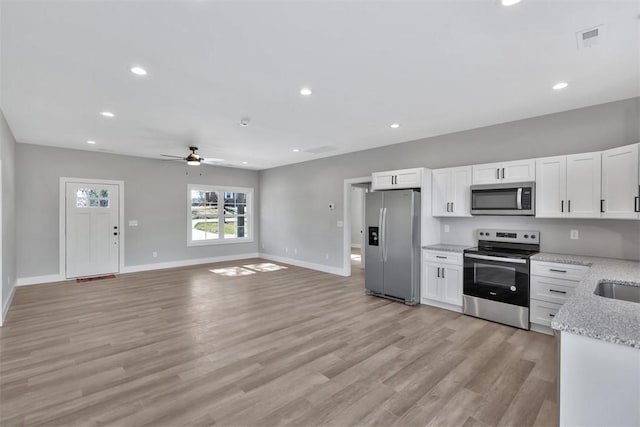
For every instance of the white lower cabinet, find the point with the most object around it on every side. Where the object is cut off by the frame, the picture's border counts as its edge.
(441, 279)
(551, 285)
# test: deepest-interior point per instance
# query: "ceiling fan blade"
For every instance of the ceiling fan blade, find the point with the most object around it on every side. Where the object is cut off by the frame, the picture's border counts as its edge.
(175, 157)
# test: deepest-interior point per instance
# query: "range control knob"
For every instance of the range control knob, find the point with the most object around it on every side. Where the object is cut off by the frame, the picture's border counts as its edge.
(526, 236)
(533, 236)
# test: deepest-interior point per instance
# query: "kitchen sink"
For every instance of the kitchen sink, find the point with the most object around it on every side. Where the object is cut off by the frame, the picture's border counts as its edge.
(618, 291)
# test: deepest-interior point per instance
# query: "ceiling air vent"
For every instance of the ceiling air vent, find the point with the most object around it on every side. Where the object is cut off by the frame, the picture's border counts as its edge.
(590, 37)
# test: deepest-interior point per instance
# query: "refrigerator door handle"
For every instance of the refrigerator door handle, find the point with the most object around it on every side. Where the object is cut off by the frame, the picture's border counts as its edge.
(381, 236)
(384, 234)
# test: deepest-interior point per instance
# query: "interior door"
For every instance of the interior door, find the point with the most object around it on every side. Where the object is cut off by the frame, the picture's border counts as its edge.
(398, 243)
(92, 229)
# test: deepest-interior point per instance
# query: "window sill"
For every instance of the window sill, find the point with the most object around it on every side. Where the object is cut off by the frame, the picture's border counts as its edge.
(196, 243)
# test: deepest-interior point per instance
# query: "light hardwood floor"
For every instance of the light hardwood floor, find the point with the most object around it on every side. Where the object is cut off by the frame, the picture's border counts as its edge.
(285, 347)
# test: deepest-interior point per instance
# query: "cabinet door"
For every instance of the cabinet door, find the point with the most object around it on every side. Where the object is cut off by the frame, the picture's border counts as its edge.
(408, 178)
(620, 182)
(440, 192)
(382, 180)
(583, 185)
(451, 285)
(461, 191)
(486, 174)
(518, 171)
(551, 186)
(431, 284)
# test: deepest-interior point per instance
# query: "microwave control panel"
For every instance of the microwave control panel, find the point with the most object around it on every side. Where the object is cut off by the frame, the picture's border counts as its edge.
(526, 198)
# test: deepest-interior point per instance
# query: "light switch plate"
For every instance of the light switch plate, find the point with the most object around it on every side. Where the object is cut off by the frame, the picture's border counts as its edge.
(575, 235)
(446, 228)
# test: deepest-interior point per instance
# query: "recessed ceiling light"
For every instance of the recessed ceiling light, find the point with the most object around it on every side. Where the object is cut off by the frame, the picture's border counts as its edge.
(139, 71)
(305, 91)
(394, 125)
(509, 2)
(245, 163)
(107, 114)
(91, 142)
(560, 85)
(296, 150)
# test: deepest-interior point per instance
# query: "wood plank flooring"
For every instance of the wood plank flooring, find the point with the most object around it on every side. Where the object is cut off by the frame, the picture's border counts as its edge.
(261, 345)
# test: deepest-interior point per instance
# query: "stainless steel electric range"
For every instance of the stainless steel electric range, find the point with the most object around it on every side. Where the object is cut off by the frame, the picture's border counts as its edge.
(496, 276)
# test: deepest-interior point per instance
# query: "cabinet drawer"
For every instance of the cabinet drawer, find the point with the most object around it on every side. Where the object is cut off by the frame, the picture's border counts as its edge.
(543, 312)
(441, 257)
(551, 290)
(559, 271)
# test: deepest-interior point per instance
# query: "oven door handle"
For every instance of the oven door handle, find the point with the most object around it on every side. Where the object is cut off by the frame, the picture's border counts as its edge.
(497, 258)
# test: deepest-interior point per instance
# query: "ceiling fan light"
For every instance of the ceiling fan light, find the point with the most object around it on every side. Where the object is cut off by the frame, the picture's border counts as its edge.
(193, 162)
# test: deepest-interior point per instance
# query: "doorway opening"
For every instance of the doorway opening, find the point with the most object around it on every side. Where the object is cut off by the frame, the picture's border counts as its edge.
(354, 211)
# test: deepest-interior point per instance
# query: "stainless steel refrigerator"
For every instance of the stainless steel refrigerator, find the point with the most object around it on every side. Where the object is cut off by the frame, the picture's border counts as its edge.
(392, 247)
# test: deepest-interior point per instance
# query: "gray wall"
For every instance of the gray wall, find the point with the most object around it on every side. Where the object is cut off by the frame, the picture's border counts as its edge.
(7, 157)
(294, 197)
(155, 195)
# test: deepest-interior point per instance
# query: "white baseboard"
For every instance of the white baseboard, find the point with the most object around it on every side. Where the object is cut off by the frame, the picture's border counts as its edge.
(541, 329)
(186, 263)
(439, 304)
(38, 280)
(7, 304)
(310, 265)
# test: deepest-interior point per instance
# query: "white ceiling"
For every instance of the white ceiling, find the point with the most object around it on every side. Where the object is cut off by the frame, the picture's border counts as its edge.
(434, 67)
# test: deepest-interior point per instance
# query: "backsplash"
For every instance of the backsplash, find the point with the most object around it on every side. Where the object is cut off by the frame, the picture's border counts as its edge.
(601, 238)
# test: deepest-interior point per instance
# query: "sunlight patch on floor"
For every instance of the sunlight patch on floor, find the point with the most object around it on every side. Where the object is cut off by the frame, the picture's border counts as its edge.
(265, 266)
(356, 257)
(246, 270)
(232, 271)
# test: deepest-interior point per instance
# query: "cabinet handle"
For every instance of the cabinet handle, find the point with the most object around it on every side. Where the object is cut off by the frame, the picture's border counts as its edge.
(552, 315)
(441, 257)
(452, 210)
(443, 273)
(601, 205)
(448, 206)
(438, 274)
(562, 206)
(502, 173)
(557, 271)
(557, 292)
(569, 206)
(498, 173)
(636, 202)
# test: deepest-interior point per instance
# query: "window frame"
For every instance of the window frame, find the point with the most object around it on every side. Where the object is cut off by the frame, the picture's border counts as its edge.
(221, 190)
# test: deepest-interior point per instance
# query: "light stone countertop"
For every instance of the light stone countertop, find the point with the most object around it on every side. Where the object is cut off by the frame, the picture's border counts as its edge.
(591, 315)
(447, 248)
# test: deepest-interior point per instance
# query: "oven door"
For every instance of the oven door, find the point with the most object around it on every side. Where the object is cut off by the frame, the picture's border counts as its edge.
(497, 278)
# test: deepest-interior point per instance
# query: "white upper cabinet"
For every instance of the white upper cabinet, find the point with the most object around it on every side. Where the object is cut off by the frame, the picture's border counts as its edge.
(451, 192)
(583, 185)
(621, 182)
(397, 179)
(568, 186)
(516, 171)
(551, 186)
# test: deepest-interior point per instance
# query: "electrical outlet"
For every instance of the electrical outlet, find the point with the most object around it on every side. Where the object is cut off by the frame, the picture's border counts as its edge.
(263, 246)
(575, 235)
(340, 224)
(295, 251)
(326, 256)
(154, 254)
(446, 228)
(286, 250)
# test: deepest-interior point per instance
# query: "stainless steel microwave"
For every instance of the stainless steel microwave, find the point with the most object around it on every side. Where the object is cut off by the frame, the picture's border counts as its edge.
(516, 198)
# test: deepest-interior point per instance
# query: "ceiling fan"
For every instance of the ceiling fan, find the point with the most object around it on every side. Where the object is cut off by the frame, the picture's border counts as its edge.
(193, 159)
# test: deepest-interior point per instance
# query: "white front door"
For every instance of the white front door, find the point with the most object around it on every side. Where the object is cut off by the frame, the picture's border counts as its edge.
(92, 229)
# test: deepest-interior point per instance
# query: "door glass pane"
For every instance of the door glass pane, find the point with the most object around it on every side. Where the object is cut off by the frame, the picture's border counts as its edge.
(494, 275)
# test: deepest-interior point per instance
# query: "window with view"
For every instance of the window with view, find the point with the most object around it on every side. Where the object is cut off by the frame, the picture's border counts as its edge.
(219, 215)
